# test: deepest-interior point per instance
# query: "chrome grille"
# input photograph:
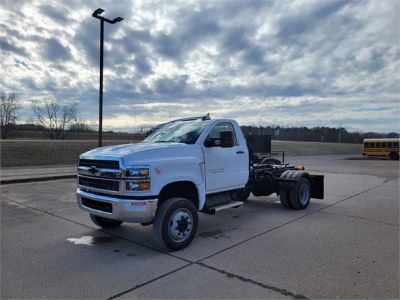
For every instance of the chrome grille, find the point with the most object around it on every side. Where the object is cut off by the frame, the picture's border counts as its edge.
(100, 164)
(98, 183)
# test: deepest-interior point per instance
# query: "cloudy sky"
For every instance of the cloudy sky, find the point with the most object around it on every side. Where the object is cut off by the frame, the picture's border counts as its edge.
(287, 63)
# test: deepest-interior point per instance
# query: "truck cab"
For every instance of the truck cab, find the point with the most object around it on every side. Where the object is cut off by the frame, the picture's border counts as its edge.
(185, 167)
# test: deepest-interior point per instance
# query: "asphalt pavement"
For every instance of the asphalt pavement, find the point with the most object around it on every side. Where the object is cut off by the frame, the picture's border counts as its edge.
(345, 246)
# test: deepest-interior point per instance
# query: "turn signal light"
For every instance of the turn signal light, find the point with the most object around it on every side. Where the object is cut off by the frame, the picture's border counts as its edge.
(144, 185)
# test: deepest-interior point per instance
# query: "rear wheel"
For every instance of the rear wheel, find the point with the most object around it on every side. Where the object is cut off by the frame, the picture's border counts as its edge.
(105, 222)
(175, 223)
(300, 194)
(284, 197)
(393, 156)
(284, 194)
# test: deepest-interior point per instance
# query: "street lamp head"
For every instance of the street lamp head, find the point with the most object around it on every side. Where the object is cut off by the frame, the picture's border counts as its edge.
(98, 11)
(118, 19)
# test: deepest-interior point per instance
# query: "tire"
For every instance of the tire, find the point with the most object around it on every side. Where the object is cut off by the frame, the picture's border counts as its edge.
(284, 194)
(105, 222)
(299, 196)
(393, 156)
(271, 161)
(284, 197)
(175, 223)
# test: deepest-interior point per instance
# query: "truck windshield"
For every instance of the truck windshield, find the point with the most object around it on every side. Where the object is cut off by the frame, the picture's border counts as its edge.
(180, 132)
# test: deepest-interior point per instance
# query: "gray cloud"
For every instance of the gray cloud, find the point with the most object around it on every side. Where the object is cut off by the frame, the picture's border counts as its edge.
(53, 50)
(308, 19)
(240, 58)
(6, 46)
(55, 13)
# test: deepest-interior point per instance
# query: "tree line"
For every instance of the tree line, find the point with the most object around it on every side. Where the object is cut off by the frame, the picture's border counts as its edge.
(58, 120)
(49, 116)
(315, 134)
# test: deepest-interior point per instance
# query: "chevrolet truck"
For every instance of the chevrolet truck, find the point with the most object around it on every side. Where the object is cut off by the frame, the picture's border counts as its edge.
(183, 168)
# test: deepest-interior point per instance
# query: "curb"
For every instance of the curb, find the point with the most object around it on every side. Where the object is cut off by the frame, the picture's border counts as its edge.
(33, 179)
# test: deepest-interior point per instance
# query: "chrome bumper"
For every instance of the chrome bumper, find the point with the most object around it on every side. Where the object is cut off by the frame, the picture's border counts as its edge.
(127, 210)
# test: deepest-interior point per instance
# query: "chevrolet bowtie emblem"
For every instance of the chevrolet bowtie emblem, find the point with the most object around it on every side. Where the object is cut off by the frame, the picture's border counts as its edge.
(93, 170)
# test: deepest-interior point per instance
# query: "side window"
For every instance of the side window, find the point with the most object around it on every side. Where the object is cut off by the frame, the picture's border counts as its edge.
(372, 145)
(213, 137)
(383, 145)
(396, 144)
(377, 145)
(390, 145)
(366, 145)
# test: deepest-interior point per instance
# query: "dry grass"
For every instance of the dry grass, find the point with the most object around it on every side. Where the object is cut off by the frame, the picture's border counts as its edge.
(315, 148)
(17, 153)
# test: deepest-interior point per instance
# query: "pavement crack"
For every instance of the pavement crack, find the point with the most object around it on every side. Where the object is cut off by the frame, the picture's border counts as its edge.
(199, 262)
(251, 281)
(287, 223)
(98, 229)
(148, 282)
(358, 217)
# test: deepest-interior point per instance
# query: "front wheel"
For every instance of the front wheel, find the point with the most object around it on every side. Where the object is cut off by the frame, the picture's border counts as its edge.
(393, 156)
(105, 222)
(175, 223)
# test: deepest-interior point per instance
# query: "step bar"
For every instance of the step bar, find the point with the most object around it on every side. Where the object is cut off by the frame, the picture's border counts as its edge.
(225, 206)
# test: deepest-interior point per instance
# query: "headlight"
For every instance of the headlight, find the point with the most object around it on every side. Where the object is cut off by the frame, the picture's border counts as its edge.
(137, 178)
(138, 171)
(135, 185)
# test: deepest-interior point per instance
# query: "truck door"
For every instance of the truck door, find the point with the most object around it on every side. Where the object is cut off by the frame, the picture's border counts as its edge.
(226, 168)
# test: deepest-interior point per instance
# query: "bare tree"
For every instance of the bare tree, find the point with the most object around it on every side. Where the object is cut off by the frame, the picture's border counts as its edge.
(81, 126)
(54, 117)
(8, 112)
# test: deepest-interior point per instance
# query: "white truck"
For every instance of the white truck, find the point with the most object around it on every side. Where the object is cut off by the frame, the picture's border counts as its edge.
(185, 167)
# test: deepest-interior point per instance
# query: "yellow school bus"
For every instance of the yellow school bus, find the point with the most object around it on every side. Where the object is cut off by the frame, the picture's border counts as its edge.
(388, 148)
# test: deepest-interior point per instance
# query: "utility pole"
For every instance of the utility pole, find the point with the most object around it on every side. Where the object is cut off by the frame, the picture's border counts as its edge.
(96, 14)
(136, 129)
(340, 131)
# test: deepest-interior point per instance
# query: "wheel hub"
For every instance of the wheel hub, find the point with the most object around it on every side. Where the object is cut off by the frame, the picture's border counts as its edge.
(304, 194)
(180, 225)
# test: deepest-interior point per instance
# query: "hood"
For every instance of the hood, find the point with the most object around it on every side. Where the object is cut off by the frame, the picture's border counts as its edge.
(144, 152)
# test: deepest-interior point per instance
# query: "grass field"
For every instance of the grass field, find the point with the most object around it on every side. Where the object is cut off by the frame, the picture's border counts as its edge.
(315, 148)
(18, 153)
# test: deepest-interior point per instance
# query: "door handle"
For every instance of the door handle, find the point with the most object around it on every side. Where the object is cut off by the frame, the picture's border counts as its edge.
(239, 152)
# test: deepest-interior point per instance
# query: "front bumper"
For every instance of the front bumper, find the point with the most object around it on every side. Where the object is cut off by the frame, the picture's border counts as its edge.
(127, 210)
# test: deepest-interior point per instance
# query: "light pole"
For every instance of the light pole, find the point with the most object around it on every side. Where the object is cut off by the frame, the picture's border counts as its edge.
(96, 14)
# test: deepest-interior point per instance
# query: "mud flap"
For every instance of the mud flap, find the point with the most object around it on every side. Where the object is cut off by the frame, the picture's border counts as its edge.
(317, 186)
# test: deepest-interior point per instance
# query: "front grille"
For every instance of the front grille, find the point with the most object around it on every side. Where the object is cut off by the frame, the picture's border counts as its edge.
(97, 205)
(111, 185)
(100, 164)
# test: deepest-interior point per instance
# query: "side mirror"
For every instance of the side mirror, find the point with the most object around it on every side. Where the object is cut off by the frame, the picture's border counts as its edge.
(226, 138)
(209, 143)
